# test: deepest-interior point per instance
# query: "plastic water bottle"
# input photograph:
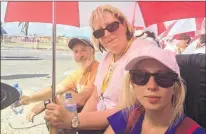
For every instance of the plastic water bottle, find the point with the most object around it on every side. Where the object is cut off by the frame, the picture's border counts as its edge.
(17, 110)
(71, 106)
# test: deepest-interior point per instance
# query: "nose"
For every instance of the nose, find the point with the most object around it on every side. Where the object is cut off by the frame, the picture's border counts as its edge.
(106, 33)
(151, 84)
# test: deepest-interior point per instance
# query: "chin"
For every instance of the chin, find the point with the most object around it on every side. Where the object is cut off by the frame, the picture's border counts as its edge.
(151, 107)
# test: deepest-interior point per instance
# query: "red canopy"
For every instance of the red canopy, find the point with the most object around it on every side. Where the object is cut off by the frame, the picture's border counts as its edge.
(66, 12)
(157, 12)
(71, 13)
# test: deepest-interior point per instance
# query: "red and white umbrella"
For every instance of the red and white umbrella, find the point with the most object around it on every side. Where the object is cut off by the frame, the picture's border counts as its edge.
(189, 26)
(67, 13)
(141, 14)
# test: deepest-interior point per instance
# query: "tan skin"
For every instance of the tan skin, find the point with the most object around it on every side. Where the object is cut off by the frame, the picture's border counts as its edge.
(83, 56)
(89, 118)
(157, 115)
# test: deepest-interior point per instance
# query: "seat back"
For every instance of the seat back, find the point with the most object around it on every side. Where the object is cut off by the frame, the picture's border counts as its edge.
(192, 69)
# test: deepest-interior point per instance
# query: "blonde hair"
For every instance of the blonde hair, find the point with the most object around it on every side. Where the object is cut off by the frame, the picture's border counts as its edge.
(128, 97)
(98, 13)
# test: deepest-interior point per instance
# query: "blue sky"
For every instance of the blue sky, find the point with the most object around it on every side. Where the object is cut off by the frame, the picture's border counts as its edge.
(43, 29)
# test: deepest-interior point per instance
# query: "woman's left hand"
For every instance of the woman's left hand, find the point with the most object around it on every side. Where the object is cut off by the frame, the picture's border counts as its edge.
(57, 115)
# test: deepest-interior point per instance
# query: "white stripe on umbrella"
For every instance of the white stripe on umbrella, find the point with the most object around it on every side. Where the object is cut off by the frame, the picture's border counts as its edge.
(86, 8)
(183, 26)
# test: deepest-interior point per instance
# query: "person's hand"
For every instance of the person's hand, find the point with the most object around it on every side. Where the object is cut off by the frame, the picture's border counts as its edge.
(37, 109)
(57, 115)
(24, 100)
(30, 116)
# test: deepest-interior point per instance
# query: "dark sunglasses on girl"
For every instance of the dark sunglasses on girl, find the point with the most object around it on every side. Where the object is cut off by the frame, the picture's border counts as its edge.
(165, 80)
(110, 28)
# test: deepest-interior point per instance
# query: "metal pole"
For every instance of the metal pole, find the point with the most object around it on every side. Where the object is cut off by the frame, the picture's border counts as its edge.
(54, 53)
(52, 129)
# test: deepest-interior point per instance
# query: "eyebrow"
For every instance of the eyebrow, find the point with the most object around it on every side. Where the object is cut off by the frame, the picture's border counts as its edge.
(106, 24)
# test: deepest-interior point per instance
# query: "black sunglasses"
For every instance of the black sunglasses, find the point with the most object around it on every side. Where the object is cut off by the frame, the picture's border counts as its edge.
(111, 28)
(164, 80)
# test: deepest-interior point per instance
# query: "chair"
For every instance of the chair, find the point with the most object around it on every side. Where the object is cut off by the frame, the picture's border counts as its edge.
(192, 69)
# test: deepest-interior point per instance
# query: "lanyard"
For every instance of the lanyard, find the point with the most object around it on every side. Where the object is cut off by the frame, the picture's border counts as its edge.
(110, 70)
(107, 76)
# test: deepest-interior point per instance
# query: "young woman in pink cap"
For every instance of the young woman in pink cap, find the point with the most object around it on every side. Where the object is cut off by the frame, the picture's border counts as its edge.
(153, 96)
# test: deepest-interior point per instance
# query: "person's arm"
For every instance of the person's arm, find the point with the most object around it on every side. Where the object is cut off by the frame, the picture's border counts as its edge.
(95, 120)
(82, 97)
(46, 93)
(109, 130)
(41, 95)
(58, 116)
(91, 104)
(37, 109)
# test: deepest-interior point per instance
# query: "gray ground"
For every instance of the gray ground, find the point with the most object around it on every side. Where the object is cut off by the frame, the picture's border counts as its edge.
(32, 69)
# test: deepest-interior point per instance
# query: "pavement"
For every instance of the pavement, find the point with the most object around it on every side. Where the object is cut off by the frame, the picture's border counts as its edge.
(32, 70)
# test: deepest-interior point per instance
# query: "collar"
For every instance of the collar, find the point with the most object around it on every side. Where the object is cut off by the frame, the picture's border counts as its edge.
(89, 68)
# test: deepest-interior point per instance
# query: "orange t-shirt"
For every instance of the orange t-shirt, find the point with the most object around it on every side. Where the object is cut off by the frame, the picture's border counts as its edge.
(79, 78)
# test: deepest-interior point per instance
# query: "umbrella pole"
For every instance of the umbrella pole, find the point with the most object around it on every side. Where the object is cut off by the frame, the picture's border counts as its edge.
(52, 129)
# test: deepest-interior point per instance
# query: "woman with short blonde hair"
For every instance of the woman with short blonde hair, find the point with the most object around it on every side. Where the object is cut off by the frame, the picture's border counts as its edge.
(98, 14)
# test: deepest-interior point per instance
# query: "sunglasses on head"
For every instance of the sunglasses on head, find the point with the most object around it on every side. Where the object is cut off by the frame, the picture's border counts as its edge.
(165, 80)
(110, 28)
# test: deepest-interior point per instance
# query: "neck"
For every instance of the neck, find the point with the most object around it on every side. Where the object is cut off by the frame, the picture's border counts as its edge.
(117, 56)
(159, 118)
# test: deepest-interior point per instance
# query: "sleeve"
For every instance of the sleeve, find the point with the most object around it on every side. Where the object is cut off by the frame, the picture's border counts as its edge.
(70, 81)
(199, 130)
(118, 122)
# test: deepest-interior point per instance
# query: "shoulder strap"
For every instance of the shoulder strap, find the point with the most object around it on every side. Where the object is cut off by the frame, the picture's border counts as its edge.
(133, 118)
(187, 126)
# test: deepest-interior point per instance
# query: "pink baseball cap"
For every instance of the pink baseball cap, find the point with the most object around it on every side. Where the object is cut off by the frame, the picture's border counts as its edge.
(165, 57)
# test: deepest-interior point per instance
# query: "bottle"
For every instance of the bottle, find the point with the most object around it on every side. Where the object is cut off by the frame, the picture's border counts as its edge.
(69, 104)
(17, 110)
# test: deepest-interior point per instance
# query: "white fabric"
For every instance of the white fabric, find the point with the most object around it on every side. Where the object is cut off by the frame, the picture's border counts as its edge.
(86, 8)
(200, 50)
